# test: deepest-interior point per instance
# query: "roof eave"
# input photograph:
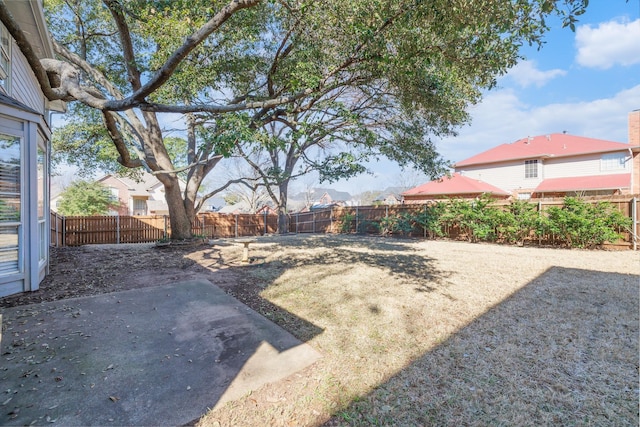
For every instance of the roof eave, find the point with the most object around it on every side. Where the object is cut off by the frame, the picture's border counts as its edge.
(635, 149)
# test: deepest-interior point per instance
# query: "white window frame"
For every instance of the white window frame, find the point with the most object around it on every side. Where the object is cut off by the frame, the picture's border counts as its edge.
(613, 161)
(5, 58)
(9, 275)
(531, 166)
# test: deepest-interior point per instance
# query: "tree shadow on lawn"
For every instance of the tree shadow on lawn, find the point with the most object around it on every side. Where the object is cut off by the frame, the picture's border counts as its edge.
(563, 350)
(397, 256)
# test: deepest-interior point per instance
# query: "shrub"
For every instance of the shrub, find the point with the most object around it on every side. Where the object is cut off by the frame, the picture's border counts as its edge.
(586, 225)
(346, 223)
(366, 226)
(431, 220)
(518, 222)
(396, 224)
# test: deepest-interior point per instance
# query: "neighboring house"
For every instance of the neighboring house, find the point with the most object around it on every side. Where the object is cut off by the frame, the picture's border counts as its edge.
(245, 208)
(214, 204)
(554, 165)
(316, 198)
(25, 136)
(332, 197)
(390, 196)
(137, 197)
(237, 208)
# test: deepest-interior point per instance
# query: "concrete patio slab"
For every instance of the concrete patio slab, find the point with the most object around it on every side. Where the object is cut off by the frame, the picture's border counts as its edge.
(152, 356)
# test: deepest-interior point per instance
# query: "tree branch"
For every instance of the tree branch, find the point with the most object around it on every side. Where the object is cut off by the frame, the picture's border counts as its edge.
(193, 41)
(118, 141)
(127, 45)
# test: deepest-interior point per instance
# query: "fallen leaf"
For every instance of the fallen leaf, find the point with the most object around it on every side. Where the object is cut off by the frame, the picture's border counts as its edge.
(113, 398)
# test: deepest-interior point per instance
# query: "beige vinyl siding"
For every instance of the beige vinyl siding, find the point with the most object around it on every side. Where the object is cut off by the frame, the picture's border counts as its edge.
(508, 176)
(24, 85)
(588, 165)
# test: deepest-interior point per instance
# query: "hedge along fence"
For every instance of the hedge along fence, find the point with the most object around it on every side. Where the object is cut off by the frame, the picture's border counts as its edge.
(480, 220)
(570, 222)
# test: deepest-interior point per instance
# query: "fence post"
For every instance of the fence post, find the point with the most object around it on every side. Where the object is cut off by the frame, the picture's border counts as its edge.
(331, 221)
(634, 223)
(297, 218)
(236, 225)
(165, 226)
(118, 229)
(357, 214)
(64, 231)
(539, 213)
(57, 232)
(265, 221)
(424, 227)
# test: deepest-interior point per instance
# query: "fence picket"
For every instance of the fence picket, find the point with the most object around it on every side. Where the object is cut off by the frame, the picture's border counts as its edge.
(77, 230)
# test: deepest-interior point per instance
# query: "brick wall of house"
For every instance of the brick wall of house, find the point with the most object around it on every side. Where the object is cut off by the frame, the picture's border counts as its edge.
(123, 193)
(634, 127)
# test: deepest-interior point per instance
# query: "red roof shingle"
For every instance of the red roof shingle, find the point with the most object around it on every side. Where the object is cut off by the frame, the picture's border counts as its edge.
(456, 184)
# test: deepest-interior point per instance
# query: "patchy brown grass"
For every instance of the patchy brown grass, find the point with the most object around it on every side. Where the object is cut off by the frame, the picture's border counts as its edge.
(448, 333)
(412, 332)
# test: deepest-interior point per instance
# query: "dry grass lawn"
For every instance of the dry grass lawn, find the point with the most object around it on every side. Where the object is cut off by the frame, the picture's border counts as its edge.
(417, 332)
(412, 332)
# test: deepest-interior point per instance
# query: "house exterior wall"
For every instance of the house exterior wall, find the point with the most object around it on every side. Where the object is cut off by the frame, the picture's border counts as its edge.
(510, 175)
(24, 123)
(123, 195)
(24, 85)
(634, 127)
(588, 165)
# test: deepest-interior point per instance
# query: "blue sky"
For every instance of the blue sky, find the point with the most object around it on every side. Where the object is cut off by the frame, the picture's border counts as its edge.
(584, 83)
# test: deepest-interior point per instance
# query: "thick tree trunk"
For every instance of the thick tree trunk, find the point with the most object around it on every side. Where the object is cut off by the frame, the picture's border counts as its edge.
(282, 208)
(178, 215)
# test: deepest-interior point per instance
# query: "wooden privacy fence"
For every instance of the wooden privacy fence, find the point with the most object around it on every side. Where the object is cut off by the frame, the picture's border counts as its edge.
(85, 230)
(74, 231)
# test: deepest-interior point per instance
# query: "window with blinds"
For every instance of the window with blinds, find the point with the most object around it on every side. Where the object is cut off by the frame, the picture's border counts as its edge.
(10, 204)
(5, 60)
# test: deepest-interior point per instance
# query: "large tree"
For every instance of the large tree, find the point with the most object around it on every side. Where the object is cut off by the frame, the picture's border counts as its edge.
(334, 136)
(128, 61)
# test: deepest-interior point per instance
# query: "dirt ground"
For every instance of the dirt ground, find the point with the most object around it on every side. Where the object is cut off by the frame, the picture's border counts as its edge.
(412, 332)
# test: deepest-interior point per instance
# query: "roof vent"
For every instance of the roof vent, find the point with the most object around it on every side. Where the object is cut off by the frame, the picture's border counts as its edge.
(548, 137)
(529, 139)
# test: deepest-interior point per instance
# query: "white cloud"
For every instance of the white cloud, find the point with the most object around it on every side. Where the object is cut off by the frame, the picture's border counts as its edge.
(609, 44)
(526, 74)
(503, 118)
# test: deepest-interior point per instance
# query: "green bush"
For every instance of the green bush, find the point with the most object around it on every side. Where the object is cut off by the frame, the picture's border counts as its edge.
(396, 224)
(430, 220)
(586, 225)
(346, 223)
(518, 222)
(477, 219)
(366, 226)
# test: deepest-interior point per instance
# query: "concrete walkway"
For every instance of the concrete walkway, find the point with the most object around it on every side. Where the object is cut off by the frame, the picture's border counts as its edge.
(152, 356)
